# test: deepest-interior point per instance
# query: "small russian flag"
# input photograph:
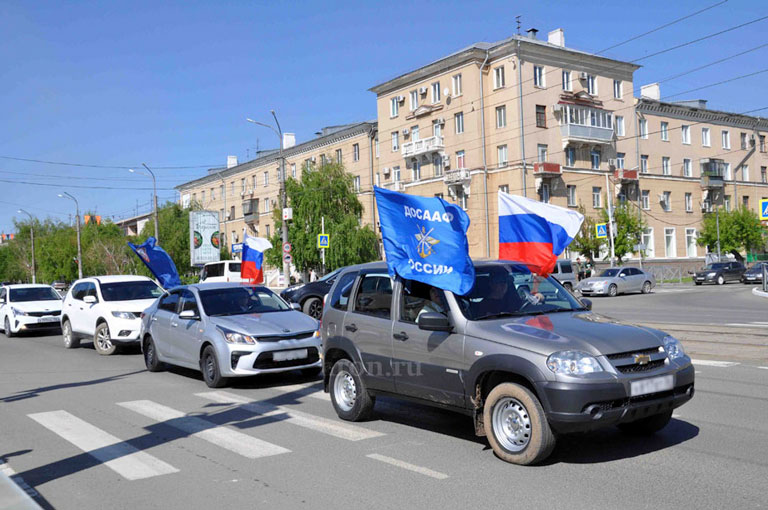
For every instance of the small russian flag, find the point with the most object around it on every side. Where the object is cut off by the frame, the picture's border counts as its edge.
(251, 268)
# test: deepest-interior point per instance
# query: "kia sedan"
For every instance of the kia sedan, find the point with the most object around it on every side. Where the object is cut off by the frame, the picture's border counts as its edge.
(29, 308)
(229, 330)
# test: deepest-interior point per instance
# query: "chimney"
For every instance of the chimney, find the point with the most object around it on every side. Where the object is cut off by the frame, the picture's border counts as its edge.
(231, 161)
(556, 37)
(651, 91)
(532, 33)
(289, 140)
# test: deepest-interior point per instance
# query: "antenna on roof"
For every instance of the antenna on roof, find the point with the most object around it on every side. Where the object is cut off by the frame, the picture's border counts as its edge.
(517, 19)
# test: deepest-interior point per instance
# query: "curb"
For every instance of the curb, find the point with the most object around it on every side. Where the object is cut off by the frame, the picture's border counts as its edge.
(760, 293)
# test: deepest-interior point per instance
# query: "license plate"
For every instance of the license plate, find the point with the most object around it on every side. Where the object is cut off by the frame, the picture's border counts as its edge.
(47, 319)
(289, 355)
(652, 385)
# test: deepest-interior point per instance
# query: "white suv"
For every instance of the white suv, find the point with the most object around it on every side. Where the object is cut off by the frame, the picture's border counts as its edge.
(107, 309)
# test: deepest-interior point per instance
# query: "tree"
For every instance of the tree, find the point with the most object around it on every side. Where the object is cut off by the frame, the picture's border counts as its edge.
(586, 243)
(324, 192)
(740, 230)
(629, 230)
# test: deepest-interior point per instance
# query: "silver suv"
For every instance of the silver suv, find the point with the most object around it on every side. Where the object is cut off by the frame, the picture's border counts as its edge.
(519, 353)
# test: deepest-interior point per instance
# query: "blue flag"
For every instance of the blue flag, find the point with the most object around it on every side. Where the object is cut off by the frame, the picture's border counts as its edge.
(425, 239)
(158, 262)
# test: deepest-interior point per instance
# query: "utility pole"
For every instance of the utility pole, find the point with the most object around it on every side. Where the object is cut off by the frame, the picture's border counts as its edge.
(154, 196)
(717, 224)
(32, 238)
(77, 227)
(322, 250)
(611, 226)
(520, 96)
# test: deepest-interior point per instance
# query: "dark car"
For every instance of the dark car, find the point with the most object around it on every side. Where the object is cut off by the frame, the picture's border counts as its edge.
(719, 273)
(310, 295)
(754, 274)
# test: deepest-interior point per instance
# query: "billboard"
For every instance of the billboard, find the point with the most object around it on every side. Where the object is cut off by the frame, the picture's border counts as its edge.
(204, 240)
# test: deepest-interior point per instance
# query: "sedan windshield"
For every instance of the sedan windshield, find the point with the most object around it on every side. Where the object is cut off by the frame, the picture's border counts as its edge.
(128, 291)
(241, 301)
(34, 294)
(610, 272)
(512, 290)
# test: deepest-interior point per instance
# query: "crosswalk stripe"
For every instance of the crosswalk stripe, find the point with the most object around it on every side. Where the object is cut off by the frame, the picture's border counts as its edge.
(712, 363)
(410, 467)
(316, 423)
(306, 390)
(232, 440)
(114, 453)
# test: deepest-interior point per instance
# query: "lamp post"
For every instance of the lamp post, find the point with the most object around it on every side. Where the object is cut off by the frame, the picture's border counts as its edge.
(77, 227)
(283, 196)
(154, 195)
(32, 238)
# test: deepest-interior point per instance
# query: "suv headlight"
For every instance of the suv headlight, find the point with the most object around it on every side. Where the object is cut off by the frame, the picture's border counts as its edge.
(16, 311)
(233, 337)
(124, 315)
(673, 347)
(573, 363)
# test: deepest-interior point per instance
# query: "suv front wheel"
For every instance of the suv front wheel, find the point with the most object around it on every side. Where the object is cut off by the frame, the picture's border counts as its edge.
(349, 396)
(102, 341)
(516, 426)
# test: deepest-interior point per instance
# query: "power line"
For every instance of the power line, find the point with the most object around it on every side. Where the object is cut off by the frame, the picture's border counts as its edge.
(29, 160)
(52, 185)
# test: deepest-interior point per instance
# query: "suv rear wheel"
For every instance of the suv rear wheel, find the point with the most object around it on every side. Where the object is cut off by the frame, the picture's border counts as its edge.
(349, 395)
(516, 426)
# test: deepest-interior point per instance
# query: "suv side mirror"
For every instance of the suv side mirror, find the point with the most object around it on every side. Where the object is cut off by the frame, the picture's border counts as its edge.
(587, 303)
(90, 299)
(295, 306)
(433, 321)
(189, 315)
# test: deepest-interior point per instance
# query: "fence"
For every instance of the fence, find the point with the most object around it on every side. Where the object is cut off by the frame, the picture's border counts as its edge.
(667, 273)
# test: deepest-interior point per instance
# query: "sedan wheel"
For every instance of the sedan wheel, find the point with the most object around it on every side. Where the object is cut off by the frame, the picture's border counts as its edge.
(646, 288)
(613, 290)
(210, 368)
(102, 341)
(150, 356)
(720, 280)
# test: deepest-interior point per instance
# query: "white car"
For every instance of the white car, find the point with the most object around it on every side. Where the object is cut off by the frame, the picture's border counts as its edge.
(224, 271)
(107, 309)
(29, 308)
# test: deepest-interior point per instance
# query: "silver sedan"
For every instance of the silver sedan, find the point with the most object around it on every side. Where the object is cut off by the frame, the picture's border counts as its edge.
(228, 330)
(617, 280)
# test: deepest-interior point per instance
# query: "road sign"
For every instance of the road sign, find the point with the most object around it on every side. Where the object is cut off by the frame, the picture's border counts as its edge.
(237, 247)
(601, 230)
(323, 240)
(287, 257)
(640, 247)
(287, 247)
(287, 213)
(764, 209)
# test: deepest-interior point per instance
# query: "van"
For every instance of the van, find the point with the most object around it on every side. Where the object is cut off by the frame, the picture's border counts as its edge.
(225, 271)
(565, 274)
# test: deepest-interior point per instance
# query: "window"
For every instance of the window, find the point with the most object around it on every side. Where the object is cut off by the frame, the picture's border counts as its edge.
(341, 293)
(414, 99)
(463, 200)
(266, 230)
(415, 169)
(503, 155)
(221, 215)
(570, 156)
(745, 201)
(339, 156)
(594, 157)
(414, 133)
(648, 242)
(687, 168)
(762, 143)
(323, 160)
(726, 137)
(743, 137)
(395, 141)
(571, 189)
(421, 298)
(643, 128)
(690, 242)
(221, 191)
(618, 91)
(567, 81)
(356, 183)
(764, 174)
(688, 202)
(213, 194)
(170, 301)
(670, 250)
(686, 134)
(541, 116)
(266, 178)
(498, 77)
(234, 237)
(538, 76)
(460, 163)
(232, 188)
(377, 179)
(596, 192)
(456, 84)
(458, 122)
(188, 302)
(705, 138)
(592, 84)
(619, 125)
(437, 128)
(665, 168)
(231, 213)
(727, 203)
(545, 192)
(665, 131)
(436, 92)
(356, 152)
(643, 163)
(744, 174)
(620, 159)
(266, 205)
(396, 173)
(504, 188)
(202, 197)
(666, 201)
(541, 151)
(727, 172)
(437, 164)
(501, 116)
(394, 107)
(645, 199)
(293, 170)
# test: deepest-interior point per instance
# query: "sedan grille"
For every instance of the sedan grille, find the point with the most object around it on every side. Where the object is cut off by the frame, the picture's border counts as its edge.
(43, 314)
(301, 336)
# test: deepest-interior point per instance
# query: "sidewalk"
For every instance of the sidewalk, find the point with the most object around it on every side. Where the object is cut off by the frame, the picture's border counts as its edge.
(12, 496)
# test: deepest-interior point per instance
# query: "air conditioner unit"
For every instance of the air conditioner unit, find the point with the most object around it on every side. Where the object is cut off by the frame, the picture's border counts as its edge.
(406, 131)
(557, 108)
(612, 162)
(661, 198)
(400, 99)
(314, 159)
(385, 170)
(422, 90)
(583, 75)
(440, 120)
(446, 161)
(242, 193)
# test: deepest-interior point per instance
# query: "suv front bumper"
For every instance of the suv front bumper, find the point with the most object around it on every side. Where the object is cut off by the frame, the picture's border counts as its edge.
(575, 407)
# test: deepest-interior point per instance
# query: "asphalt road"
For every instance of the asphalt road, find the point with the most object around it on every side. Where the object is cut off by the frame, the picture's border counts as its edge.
(164, 440)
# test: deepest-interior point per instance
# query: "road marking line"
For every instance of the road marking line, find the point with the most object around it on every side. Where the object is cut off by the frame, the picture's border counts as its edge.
(305, 389)
(410, 467)
(113, 452)
(697, 371)
(232, 440)
(764, 368)
(711, 363)
(748, 324)
(316, 423)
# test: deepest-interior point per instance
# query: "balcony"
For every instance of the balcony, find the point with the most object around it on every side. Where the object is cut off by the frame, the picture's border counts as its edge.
(622, 174)
(251, 211)
(457, 180)
(587, 134)
(544, 169)
(423, 146)
(712, 173)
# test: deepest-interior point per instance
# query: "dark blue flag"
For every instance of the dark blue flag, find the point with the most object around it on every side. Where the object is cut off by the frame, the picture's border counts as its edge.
(425, 239)
(158, 262)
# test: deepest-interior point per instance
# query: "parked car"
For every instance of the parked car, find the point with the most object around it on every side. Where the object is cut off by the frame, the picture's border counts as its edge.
(524, 369)
(309, 296)
(29, 308)
(617, 280)
(60, 285)
(224, 271)
(754, 274)
(565, 275)
(228, 330)
(719, 273)
(107, 309)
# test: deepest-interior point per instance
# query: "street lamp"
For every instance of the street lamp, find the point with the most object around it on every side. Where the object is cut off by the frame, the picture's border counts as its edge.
(283, 197)
(32, 237)
(64, 194)
(154, 194)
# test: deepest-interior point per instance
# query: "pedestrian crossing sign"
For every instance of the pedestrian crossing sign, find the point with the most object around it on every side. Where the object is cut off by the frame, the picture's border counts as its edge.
(601, 230)
(764, 209)
(323, 240)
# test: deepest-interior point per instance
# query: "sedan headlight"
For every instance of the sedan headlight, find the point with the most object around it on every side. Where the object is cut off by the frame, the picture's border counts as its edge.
(233, 337)
(673, 347)
(711, 274)
(124, 315)
(573, 363)
(16, 311)
(600, 283)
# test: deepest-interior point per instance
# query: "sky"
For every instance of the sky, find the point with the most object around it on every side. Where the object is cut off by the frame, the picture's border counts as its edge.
(171, 83)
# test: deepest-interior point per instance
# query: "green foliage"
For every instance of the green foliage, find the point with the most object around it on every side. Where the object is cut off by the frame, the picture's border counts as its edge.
(629, 229)
(326, 192)
(585, 243)
(740, 231)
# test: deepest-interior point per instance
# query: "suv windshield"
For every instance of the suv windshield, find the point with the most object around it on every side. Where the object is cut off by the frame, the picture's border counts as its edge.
(717, 265)
(512, 290)
(129, 291)
(330, 275)
(33, 294)
(241, 301)
(610, 272)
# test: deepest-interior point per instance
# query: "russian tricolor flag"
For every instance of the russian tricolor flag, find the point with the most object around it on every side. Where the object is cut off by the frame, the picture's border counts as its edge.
(533, 232)
(251, 268)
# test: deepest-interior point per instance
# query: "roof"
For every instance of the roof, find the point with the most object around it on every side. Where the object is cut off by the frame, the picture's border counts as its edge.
(687, 111)
(116, 278)
(26, 286)
(220, 285)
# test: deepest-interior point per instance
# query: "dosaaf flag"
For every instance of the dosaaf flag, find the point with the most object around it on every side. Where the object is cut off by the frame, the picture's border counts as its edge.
(425, 239)
(253, 258)
(158, 262)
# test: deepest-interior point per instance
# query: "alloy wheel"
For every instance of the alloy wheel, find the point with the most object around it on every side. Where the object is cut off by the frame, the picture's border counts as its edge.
(316, 309)
(103, 339)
